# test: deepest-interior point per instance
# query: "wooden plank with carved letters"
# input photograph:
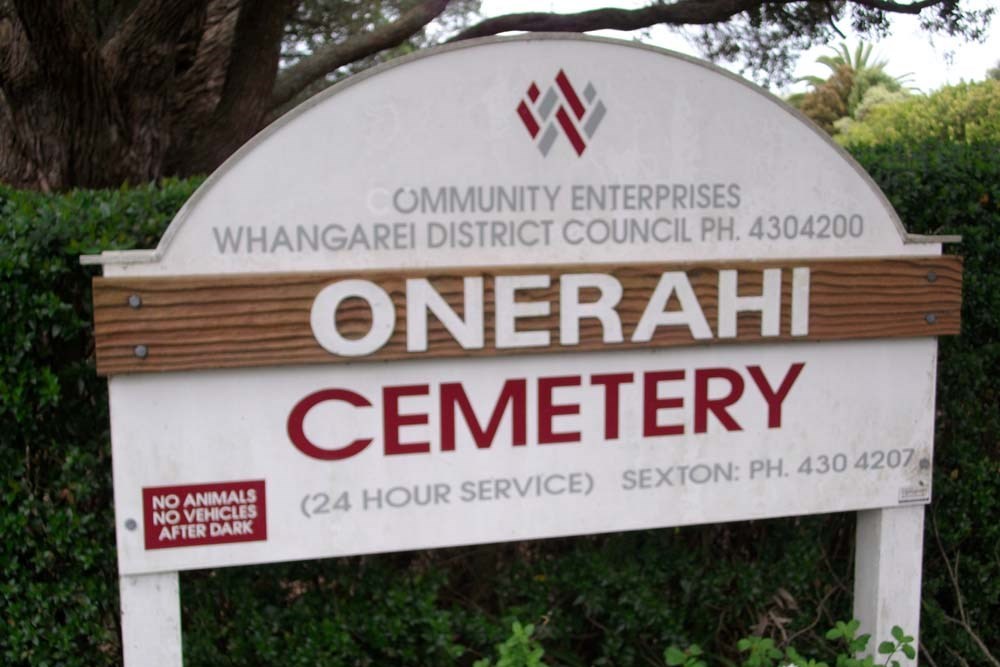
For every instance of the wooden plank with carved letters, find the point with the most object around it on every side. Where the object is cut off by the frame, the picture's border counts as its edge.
(186, 323)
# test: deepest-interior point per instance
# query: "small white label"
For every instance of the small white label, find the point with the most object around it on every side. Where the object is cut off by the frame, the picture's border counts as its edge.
(914, 494)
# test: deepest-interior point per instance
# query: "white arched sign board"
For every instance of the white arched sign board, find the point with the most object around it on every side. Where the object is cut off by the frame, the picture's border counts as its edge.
(515, 289)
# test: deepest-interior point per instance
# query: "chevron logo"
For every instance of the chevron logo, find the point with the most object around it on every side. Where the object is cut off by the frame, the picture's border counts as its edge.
(560, 108)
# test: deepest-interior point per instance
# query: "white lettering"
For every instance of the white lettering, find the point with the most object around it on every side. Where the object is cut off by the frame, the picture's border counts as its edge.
(571, 311)
(768, 304)
(323, 318)
(656, 315)
(508, 311)
(422, 298)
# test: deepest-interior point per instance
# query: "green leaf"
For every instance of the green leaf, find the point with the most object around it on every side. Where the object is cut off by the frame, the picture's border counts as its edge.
(674, 656)
(859, 643)
(909, 651)
(886, 648)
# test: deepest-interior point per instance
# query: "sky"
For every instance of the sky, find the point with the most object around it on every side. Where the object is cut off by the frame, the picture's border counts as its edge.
(931, 61)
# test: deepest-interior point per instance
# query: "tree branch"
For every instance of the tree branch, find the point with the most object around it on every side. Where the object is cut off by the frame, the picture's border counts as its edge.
(925, 654)
(140, 60)
(198, 87)
(327, 59)
(682, 12)
(975, 638)
(899, 7)
(963, 620)
(249, 80)
(256, 49)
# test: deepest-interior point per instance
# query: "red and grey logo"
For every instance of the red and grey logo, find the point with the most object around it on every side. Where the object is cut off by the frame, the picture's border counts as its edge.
(558, 108)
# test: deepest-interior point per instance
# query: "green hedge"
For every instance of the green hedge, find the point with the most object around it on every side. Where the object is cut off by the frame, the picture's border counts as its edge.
(955, 189)
(58, 580)
(608, 600)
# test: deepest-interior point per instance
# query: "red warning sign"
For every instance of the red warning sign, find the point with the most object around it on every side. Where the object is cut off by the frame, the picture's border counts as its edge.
(219, 513)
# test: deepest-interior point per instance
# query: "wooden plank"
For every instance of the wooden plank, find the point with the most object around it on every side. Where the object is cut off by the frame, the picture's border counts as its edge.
(232, 321)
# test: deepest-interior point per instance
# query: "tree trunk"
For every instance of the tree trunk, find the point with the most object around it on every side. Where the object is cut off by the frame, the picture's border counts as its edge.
(176, 86)
(58, 121)
(78, 113)
(254, 46)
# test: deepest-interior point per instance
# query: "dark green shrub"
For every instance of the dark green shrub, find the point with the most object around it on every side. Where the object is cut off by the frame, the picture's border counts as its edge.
(58, 586)
(605, 600)
(955, 189)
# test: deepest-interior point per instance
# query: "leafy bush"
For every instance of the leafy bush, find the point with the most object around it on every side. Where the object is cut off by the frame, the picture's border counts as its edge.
(521, 649)
(764, 652)
(954, 188)
(605, 600)
(58, 592)
(967, 112)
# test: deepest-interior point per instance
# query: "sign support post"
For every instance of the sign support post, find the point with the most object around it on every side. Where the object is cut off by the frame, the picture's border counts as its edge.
(151, 619)
(887, 573)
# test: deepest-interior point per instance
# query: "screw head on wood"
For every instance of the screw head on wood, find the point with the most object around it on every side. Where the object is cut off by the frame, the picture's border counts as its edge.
(931, 318)
(130, 524)
(931, 276)
(141, 351)
(134, 301)
(925, 464)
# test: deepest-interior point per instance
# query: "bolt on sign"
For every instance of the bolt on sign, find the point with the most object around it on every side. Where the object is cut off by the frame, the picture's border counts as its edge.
(514, 289)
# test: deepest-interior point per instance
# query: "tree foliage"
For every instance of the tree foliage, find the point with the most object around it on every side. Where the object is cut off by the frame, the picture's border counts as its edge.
(826, 103)
(101, 92)
(860, 60)
(967, 112)
(856, 84)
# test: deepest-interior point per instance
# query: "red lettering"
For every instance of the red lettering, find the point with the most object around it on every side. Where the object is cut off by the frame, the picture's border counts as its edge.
(546, 410)
(652, 403)
(392, 421)
(297, 418)
(775, 398)
(514, 393)
(611, 382)
(714, 392)
(717, 406)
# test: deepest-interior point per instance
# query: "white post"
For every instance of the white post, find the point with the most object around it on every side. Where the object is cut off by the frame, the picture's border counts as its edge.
(887, 574)
(151, 620)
